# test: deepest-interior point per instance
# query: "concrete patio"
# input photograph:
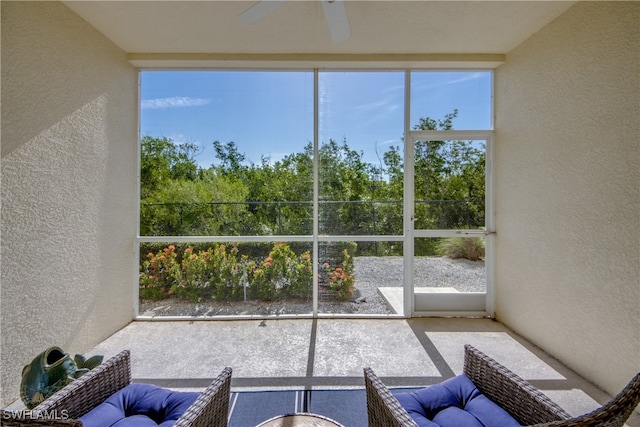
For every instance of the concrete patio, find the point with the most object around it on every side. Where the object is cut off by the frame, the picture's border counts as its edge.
(330, 353)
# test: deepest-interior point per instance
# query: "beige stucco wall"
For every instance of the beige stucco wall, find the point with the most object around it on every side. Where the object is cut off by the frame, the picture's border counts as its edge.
(69, 120)
(568, 190)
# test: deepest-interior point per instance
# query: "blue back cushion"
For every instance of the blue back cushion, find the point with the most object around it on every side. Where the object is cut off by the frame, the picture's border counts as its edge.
(140, 405)
(455, 402)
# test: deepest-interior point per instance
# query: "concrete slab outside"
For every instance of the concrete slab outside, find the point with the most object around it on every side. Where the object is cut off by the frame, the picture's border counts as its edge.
(393, 295)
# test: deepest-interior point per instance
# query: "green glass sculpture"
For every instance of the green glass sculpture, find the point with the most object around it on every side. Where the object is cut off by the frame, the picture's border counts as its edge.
(49, 372)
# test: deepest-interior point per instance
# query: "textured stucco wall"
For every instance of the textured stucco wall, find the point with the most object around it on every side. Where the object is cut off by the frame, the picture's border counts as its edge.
(568, 190)
(69, 108)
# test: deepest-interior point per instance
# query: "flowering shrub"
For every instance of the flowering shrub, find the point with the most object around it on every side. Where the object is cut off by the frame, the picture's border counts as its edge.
(341, 280)
(301, 277)
(281, 274)
(160, 274)
(215, 273)
(221, 273)
(196, 274)
(261, 286)
(225, 273)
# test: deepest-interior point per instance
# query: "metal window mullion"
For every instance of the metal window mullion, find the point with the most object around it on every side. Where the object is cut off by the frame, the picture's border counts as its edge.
(490, 225)
(316, 190)
(448, 135)
(408, 190)
(225, 239)
(361, 238)
(136, 270)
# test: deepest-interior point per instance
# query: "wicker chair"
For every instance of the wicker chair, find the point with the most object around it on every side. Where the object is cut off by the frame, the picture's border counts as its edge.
(523, 402)
(211, 408)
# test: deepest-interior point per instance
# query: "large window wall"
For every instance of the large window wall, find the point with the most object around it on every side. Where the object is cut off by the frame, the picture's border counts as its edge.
(283, 193)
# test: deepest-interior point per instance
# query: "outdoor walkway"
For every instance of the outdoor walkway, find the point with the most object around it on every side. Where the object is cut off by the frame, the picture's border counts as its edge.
(330, 353)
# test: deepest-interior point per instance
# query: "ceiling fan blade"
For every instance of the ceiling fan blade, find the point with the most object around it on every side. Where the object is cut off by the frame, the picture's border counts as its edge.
(337, 20)
(259, 10)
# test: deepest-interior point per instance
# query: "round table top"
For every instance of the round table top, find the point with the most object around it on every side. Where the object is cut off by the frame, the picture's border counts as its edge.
(300, 420)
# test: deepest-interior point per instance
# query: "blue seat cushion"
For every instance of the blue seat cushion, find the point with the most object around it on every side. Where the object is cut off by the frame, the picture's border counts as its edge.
(140, 405)
(455, 402)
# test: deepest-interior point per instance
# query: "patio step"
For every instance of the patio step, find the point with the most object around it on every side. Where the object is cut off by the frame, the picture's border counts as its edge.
(393, 295)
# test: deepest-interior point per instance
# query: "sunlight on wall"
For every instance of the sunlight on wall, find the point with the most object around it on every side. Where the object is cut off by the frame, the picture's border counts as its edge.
(68, 185)
(567, 199)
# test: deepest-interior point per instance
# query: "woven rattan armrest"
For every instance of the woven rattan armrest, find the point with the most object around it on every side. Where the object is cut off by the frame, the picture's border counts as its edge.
(91, 389)
(383, 409)
(211, 409)
(523, 401)
(612, 414)
(76, 399)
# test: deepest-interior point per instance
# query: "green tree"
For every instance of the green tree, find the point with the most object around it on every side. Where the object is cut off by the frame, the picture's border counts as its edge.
(179, 198)
(345, 179)
(188, 207)
(448, 182)
(236, 197)
(161, 161)
(285, 190)
(231, 160)
(449, 178)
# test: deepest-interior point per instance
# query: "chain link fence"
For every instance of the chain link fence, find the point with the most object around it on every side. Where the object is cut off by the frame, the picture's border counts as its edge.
(374, 217)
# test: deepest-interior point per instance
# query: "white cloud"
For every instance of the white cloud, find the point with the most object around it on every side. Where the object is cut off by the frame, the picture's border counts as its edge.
(173, 102)
(454, 79)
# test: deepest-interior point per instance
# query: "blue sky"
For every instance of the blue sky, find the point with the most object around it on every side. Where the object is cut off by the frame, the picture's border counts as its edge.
(270, 114)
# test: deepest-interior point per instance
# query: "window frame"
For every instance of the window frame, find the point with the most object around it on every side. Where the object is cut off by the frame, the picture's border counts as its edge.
(315, 239)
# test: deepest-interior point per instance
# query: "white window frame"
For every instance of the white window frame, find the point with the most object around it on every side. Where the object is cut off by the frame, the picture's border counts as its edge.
(408, 233)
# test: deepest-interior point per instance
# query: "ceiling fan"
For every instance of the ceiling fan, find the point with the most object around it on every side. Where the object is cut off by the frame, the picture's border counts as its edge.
(334, 13)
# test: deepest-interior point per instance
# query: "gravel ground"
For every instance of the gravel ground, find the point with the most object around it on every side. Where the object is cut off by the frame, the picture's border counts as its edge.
(370, 273)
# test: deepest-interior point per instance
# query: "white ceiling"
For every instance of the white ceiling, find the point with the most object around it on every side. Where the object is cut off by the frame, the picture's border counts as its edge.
(390, 26)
